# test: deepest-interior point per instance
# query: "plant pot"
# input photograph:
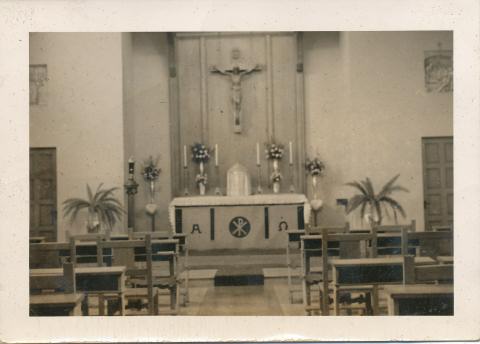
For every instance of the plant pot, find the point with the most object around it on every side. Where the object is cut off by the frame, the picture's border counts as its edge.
(93, 222)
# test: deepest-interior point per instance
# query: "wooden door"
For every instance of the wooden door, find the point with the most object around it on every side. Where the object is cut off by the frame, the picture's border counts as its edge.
(43, 193)
(438, 181)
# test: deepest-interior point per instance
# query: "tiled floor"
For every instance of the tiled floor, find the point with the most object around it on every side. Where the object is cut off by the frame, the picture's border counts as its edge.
(268, 299)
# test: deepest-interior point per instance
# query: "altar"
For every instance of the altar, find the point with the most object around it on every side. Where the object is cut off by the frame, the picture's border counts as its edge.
(239, 222)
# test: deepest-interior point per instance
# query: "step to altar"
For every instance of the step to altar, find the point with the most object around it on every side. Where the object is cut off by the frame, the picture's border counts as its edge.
(215, 259)
(239, 275)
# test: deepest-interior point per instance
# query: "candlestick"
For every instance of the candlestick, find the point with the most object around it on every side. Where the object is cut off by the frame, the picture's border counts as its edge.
(216, 155)
(258, 154)
(292, 186)
(131, 167)
(185, 180)
(259, 182)
(290, 158)
(185, 156)
(218, 192)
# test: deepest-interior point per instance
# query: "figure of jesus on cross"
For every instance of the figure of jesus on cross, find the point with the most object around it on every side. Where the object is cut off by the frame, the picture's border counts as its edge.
(236, 74)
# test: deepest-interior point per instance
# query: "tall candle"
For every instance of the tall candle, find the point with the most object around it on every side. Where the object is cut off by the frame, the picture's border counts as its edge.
(290, 161)
(258, 154)
(216, 154)
(185, 156)
(131, 166)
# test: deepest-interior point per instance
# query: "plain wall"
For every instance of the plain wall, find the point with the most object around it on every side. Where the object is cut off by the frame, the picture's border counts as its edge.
(147, 121)
(82, 114)
(367, 110)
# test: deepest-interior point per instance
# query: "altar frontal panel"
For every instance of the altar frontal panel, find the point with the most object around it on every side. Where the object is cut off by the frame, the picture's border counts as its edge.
(238, 227)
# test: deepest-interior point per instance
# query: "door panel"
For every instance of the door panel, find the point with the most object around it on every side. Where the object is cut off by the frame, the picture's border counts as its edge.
(438, 181)
(43, 193)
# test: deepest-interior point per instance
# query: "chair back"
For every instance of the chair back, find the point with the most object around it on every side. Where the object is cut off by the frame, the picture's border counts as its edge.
(63, 283)
(410, 227)
(434, 273)
(47, 254)
(89, 249)
(432, 244)
(391, 240)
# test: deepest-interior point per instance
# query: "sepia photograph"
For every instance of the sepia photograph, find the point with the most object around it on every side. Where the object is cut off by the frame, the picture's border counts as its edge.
(270, 178)
(241, 173)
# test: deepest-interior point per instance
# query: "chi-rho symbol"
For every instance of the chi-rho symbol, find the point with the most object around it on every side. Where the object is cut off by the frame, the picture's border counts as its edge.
(239, 227)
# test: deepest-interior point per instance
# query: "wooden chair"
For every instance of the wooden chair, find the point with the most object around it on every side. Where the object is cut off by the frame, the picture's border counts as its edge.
(183, 267)
(144, 280)
(52, 295)
(293, 245)
(91, 250)
(314, 246)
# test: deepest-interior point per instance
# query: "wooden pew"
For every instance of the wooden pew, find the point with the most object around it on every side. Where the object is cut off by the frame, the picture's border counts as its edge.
(55, 295)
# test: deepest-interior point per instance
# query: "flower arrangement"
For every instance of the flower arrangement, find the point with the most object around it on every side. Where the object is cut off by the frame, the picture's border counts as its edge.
(200, 153)
(314, 167)
(150, 170)
(201, 179)
(274, 151)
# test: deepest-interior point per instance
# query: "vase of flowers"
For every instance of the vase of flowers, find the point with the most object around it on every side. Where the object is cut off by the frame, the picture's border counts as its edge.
(150, 174)
(201, 155)
(315, 168)
(274, 152)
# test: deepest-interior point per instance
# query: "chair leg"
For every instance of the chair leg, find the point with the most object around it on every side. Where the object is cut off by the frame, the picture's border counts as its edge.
(375, 300)
(155, 303)
(320, 298)
(85, 305)
(336, 300)
(308, 298)
(368, 303)
(101, 305)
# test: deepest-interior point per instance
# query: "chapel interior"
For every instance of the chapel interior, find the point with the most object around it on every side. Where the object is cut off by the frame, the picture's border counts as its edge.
(241, 173)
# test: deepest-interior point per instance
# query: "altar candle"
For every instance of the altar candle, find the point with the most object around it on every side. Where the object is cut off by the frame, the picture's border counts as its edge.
(258, 154)
(185, 156)
(291, 153)
(131, 166)
(216, 155)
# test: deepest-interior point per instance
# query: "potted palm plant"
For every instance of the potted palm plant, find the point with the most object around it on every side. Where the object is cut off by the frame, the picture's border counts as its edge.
(372, 205)
(104, 210)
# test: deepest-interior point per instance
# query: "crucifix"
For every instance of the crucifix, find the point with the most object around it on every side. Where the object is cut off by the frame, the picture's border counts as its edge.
(236, 74)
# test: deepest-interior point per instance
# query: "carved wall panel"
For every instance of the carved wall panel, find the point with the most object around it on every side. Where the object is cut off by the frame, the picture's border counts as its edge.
(215, 103)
